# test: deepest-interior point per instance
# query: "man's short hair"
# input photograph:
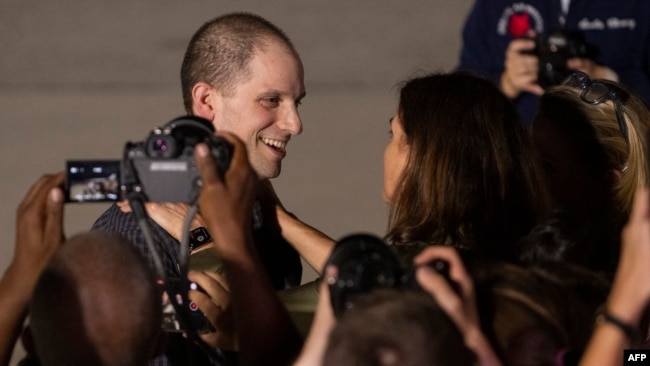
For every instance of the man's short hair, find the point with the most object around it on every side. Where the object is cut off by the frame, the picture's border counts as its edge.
(220, 52)
(96, 303)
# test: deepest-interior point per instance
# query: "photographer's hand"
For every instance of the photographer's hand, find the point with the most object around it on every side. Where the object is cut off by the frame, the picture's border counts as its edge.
(460, 307)
(39, 234)
(215, 304)
(520, 68)
(226, 204)
(591, 68)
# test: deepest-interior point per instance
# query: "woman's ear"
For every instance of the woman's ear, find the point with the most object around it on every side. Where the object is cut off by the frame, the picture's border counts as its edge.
(203, 100)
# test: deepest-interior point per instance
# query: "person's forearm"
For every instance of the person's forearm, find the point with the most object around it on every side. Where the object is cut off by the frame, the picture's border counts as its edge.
(609, 340)
(266, 332)
(14, 303)
(313, 245)
(478, 343)
(605, 347)
(316, 343)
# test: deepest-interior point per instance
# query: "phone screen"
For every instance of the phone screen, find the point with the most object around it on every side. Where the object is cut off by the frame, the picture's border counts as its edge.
(92, 180)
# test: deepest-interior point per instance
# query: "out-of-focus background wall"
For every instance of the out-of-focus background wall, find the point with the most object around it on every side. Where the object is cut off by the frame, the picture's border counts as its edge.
(79, 79)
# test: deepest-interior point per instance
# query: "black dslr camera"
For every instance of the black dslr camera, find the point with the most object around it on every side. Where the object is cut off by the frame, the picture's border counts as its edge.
(161, 168)
(365, 263)
(553, 50)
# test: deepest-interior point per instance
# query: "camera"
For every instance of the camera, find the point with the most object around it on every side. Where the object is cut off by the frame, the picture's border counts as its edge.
(365, 263)
(553, 50)
(190, 317)
(161, 167)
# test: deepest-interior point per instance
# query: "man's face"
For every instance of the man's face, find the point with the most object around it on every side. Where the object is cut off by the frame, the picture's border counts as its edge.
(263, 111)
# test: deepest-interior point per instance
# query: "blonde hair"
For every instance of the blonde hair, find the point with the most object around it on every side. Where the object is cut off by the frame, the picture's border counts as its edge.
(629, 158)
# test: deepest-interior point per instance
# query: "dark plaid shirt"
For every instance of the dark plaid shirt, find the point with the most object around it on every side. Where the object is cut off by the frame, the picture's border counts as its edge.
(281, 262)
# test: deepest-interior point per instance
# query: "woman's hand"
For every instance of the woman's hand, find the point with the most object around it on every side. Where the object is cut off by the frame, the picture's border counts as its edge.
(460, 306)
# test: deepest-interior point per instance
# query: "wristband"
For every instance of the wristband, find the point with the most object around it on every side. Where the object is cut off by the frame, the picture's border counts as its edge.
(630, 331)
(199, 237)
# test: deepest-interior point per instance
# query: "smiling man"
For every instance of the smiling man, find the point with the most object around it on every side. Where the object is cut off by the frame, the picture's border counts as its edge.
(241, 73)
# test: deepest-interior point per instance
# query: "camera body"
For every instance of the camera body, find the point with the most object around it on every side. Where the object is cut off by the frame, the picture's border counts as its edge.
(163, 168)
(365, 263)
(553, 50)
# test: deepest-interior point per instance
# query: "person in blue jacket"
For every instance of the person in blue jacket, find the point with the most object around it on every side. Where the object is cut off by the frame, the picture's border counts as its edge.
(606, 39)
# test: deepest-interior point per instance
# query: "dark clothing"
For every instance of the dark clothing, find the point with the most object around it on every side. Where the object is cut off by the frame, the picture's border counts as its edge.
(281, 261)
(114, 220)
(616, 32)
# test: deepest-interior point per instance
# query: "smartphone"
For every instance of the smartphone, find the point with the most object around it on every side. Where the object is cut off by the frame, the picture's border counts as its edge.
(92, 181)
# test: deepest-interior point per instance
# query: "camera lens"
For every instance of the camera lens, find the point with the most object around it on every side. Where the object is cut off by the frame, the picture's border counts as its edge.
(160, 145)
(364, 263)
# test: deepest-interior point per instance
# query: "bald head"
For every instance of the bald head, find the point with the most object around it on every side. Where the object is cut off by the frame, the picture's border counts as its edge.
(96, 303)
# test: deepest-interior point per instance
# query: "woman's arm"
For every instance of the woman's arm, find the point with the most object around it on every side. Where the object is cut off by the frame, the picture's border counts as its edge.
(628, 298)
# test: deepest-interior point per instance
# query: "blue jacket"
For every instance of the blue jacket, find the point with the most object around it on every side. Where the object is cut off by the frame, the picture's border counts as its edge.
(617, 30)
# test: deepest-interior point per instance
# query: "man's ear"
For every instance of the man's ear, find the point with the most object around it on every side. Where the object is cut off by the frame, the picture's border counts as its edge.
(203, 100)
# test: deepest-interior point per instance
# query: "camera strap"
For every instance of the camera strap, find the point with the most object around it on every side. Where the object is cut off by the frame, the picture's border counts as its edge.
(136, 201)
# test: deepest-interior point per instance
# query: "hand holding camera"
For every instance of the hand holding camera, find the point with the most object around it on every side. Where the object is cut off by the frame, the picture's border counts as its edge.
(364, 262)
(459, 303)
(537, 61)
(214, 301)
(554, 49)
(521, 68)
(159, 169)
(180, 314)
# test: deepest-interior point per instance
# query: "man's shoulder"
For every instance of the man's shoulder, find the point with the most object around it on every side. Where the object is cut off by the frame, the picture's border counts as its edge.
(126, 224)
(114, 220)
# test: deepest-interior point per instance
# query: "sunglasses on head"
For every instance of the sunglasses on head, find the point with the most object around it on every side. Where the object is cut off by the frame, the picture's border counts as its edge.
(596, 92)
